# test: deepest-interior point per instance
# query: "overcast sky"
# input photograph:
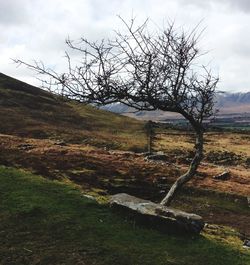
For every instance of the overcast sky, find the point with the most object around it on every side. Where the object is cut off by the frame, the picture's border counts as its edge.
(36, 29)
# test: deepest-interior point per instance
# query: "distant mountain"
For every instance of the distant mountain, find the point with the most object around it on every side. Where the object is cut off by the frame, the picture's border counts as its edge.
(231, 103)
(233, 98)
(227, 103)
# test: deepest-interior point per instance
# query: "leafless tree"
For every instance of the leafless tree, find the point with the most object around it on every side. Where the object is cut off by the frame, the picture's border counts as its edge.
(143, 70)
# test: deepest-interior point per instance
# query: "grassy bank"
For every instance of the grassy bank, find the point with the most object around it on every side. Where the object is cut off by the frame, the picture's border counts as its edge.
(45, 222)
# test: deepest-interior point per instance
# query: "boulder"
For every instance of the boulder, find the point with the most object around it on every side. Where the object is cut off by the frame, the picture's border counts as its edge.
(246, 243)
(158, 216)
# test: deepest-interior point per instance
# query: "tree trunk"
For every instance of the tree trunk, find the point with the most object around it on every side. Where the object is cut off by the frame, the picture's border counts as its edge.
(191, 171)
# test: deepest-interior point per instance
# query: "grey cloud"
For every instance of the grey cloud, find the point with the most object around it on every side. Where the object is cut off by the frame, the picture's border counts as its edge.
(101, 9)
(240, 42)
(242, 5)
(14, 11)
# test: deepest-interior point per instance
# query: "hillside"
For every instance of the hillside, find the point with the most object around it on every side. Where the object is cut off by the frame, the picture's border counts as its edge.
(28, 111)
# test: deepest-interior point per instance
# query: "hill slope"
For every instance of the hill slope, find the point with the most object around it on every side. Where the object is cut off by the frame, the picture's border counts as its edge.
(28, 111)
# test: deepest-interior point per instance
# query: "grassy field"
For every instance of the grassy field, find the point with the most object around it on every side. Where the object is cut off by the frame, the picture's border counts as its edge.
(48, 222)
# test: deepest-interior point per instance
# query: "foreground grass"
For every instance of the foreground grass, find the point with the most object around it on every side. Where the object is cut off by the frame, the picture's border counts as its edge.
(45, 222)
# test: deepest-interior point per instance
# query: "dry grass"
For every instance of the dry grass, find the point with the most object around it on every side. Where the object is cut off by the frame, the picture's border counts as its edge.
(222, 141)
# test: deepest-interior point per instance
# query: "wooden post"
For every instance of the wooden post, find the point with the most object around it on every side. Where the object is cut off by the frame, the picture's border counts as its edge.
(150, 135)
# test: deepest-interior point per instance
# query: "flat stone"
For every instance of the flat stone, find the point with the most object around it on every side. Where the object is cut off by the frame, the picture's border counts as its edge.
(158, 216)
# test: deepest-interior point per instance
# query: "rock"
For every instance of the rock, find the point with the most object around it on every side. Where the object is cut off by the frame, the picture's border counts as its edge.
(158, 216)
(89, 197)
(223, 176)
(248, 162)
(157, 157)
(223, 158)
(60, 143)
(248, 201)
(25, 147)
(246, 243)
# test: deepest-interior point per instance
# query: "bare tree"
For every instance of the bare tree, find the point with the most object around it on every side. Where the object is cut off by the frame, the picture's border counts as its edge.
(145, 71)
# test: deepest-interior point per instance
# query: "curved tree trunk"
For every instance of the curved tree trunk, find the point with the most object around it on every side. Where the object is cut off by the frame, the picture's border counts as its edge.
(191, 171)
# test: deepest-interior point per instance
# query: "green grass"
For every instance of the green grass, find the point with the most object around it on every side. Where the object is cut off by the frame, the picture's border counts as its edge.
(45, 222)
(191, 197)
